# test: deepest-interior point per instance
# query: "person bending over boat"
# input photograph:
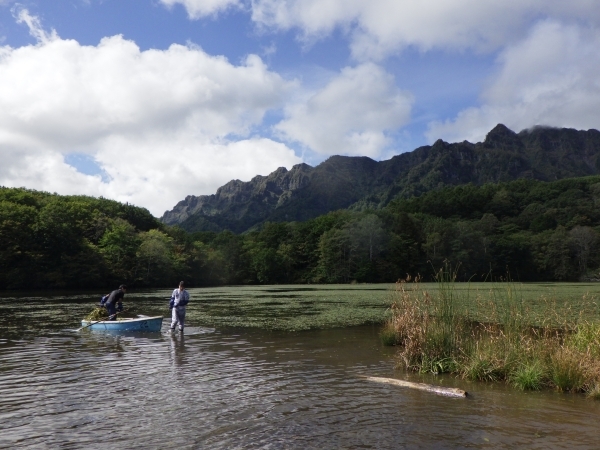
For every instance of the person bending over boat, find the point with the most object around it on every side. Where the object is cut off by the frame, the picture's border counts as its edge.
(114, 303)
(179, 298)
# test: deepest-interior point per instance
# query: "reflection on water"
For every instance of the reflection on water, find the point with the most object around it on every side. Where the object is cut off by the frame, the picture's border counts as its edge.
(224, 389)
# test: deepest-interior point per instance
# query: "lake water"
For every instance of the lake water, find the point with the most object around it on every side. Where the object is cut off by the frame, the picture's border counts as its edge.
(235, 388)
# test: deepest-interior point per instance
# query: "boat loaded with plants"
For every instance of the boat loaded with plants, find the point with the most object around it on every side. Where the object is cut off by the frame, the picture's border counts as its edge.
(496, 336)
(144, 324)
(97, 320)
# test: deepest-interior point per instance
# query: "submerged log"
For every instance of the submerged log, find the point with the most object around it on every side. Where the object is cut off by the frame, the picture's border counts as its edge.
(449, 392)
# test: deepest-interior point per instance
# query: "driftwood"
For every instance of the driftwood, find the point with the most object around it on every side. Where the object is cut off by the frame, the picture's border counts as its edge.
(449, 392)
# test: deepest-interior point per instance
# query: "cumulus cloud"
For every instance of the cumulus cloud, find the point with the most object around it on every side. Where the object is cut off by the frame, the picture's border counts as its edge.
(380, 27)
(189, 170)
(197, 9)
(549, 78)
(350, 115)
(545, 71)
(161, 124)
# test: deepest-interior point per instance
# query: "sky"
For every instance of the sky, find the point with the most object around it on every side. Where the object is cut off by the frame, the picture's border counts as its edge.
(149, 101)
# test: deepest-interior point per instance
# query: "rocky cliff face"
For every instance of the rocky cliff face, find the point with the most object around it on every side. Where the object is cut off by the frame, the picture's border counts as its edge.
(239, 200)
(306, 192)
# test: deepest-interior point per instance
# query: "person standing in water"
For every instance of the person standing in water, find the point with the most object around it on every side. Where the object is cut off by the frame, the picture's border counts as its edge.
(179, 298)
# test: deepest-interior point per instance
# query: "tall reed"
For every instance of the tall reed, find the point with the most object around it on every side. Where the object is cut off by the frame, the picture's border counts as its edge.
(427, 326)
(494, 338)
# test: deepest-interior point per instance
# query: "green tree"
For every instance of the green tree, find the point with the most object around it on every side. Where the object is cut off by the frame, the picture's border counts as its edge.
(552, 255)
(583, 241)
(367, 240)
(334, 257)
(18, 254)
(154, 257)
(119, 246)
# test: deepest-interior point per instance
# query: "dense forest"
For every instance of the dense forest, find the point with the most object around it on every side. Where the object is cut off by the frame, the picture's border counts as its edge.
(530, 230)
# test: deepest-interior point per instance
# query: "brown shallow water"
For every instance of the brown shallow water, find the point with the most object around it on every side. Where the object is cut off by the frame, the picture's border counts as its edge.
(247, 388)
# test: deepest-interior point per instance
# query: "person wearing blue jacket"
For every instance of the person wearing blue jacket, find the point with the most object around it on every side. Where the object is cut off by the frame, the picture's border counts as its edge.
(179, 298)
(114, 302)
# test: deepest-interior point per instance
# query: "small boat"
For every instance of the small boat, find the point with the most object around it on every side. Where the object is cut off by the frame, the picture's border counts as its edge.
(144, 324)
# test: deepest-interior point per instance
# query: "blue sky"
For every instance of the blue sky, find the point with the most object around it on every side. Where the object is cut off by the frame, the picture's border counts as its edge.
(148, 101)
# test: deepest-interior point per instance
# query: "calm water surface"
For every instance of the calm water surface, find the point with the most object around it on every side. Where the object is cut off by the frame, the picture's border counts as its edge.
(243, 388)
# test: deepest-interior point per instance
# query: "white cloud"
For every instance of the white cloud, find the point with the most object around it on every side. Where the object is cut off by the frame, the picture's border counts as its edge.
(547, 64)
(191, 169)
(33, 23)
(116, 88)
(44, 169)
(350, 115)
(158, 122)
(380, 27)
(549, 78)
(197, 9)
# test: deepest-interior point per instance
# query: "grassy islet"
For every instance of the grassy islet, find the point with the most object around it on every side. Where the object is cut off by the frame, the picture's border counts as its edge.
(505, 331)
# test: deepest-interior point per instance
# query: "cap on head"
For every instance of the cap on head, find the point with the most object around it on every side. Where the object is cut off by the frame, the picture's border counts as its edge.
(122, 287)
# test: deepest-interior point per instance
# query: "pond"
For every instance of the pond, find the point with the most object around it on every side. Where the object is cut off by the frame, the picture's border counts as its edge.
(229, 387)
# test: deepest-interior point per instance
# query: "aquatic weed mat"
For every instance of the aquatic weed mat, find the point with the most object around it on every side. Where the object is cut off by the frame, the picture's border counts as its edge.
(545, 304)
(290, 308)
(284, 307)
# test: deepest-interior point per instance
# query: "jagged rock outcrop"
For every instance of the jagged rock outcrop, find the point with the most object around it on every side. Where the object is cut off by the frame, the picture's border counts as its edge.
(305, 192)
(240, 200)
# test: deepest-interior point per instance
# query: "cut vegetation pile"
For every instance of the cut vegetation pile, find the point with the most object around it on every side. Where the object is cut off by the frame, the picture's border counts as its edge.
(100, 313)
(97, 314)
(497, 337)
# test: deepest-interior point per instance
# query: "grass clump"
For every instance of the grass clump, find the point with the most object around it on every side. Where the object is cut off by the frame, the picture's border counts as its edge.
(483, 363)
(480, 368)
(428, 327)
(529, 376)
(388, 335)
(586, 339)
(498, 339)
(593, 391)
(568, 372)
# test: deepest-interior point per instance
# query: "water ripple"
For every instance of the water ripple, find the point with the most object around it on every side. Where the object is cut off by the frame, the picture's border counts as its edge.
(228, 390)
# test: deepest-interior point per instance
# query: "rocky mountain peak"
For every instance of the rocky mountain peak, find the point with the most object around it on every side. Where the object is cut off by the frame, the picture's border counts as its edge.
(305, 192)
(500, 137)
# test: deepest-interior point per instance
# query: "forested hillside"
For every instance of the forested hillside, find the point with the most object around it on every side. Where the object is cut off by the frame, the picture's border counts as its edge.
(53, 241)
(526, 229)
(360, 183)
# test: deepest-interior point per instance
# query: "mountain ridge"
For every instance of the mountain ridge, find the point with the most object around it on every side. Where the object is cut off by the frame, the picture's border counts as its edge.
(341, 182)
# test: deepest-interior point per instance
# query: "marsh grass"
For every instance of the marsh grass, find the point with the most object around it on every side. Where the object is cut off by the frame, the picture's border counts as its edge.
(529, 375)
(594, 391)
(388, 335)
(568, 369)
(499, 338)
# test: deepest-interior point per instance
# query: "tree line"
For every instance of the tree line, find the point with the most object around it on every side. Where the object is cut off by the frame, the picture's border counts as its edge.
(528, 230)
